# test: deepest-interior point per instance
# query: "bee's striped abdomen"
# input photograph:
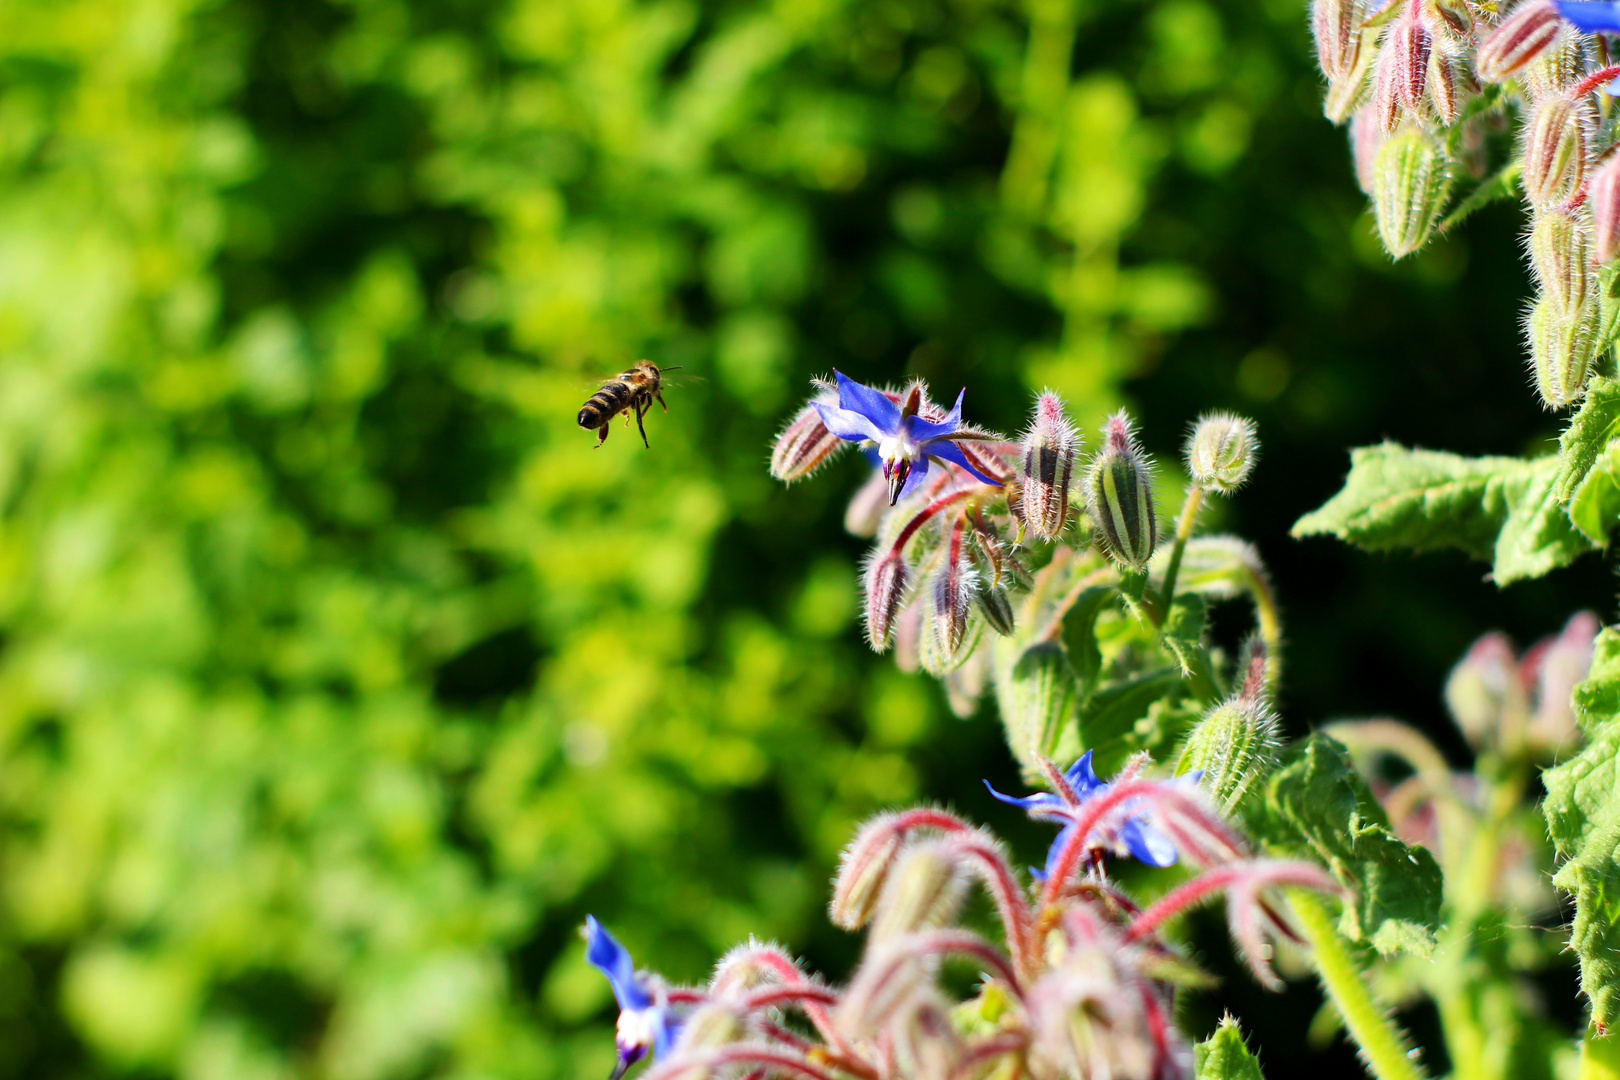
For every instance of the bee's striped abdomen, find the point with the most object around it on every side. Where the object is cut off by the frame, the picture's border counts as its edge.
(604, 404)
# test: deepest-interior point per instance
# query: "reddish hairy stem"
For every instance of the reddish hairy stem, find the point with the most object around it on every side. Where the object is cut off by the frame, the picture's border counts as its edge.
(968, 944)
(687, 997)
(1183, 896)
(1086, 818)
(926, 817)
(1592, 82)
(789, 971)
(1002, 1044)
(922, 517)
(804, 994)
(1010, 902)
(740, 1053)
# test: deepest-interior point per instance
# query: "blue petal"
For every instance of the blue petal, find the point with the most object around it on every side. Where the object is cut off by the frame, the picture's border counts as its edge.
(914, 479)
(610, 958)
(1147, 843)
(1591, 16)
(1028, 802)
(922, 430)
(949, 451)
(870, 403)
(664, 1031)
(1082, 777)
(847, 423)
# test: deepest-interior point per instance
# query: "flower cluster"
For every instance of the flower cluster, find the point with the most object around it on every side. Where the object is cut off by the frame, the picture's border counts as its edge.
(1422, 83)
(1080, 984)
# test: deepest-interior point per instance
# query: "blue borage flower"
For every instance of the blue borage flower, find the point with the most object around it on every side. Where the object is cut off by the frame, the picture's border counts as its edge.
(644, 1020)
(1131, 836)
(899, 440)
(1591, 16)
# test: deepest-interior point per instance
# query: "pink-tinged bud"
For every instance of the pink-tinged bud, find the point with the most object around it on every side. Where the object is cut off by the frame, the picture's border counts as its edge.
(924, 889)
(1221, 451)
(1048, 451)
(1402, 72)
(1559, 257)
(1411, 185)
(908, 632)
(867, 506)
(1521, 38)
(885, 587)
(862, 870)
(805, 444)
(1553, 160)
(1120, 497)
(955, 588)
(1347, 91)
(1449, 86)
(1484, 691)
(1603, 196)
(1561, 351)
(1451, 24)
(1366, 139)
(1558, 664)
(966, 685)
(1336, 26)
(1558, 67)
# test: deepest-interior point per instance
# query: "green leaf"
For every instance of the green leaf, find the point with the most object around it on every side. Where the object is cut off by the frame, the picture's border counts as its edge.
(1080, 634)
(1223, 1056)
(1110, 716)
(1595, 506)
(1424, 500)
(1184, 638)
(1503, 185)
(1500, 509)
(1538, 535)
(1588, 433)
(1316, 805)
(1583, 819)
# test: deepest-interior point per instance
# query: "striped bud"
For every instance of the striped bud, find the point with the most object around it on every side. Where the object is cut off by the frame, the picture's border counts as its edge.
(1449, 86)
(805, 444)
(1035, 688)
(1520, 38)
(1336, 26)
(1558, 254)
(1553, 160)
(1603, 196)
(1450, 23)
(1561, 351)
(1557, 67)
(925, 889)
(1402, 71)
(1048, 451)
(862, 870)
(996, 606)
(1411, 183)
(1119, 497)
(885, 588)
(955, 587)
(1236, 742)
(1221, 451)
(1348, 90)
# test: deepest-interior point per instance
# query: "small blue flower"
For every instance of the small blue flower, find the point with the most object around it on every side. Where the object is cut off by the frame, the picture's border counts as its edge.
(644, 1023)
(901, 441)
(1132, 836)
(1591, 16)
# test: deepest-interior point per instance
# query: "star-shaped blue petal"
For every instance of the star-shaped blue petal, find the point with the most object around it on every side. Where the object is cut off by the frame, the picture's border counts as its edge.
(1591, 16)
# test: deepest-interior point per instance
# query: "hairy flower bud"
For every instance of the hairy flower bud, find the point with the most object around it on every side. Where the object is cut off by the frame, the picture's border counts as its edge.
(1449, 86)
(1220, 451)
(1336, 26)
(805, 444)
(867, 506)
(862, 870)
(1120, 498)
(1048, 450)
(1035, 687)
(1236, 742)
(1411, 183)
(1559, 664)
(1558, 66)
(1402, 72)
(886, 576)
(996, 606)
(1519, 39)
(709, 1027)
(1561, 351)
(955, 587)
(1558, 254)
(1348, 90)
(1553, 159)
(925, 889)
(1366, 139)
(1603, 196)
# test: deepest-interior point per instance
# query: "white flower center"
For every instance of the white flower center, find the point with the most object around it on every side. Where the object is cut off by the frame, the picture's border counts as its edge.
(635, 1028)
(899, 448)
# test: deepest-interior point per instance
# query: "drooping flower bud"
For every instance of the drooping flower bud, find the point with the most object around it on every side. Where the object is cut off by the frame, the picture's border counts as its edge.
(862, 870)
(1553, 160)
(1035, 688)
(955, 587)
(1236, 742)
(709, 1027)
(1048, 450)
(965, 686)
(1559, 664)
(1220, 451)
(1411, 183)
(1561, 351)
(867, 506)
(1349, 89)
(1519, 39)
(805, 444)
(1402, 72)
(1449, 86)
(924, 890)
(1603, 196)
(1450, 22)
(1336, 26)
(1119, 496)
(908, 634)
(886, 576)
(996, 606)
(1558, 66)
(1366, 139)
(1558, 254)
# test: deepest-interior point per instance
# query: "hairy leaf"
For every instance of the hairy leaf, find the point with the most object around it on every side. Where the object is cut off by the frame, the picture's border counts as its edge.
(1503, 184)
(1595, 506)
(1110, 716)
(1538, 535)
(1588, 433)
(1184, 638)
(1316, 805)
(1583, 818)
(1223, 1056)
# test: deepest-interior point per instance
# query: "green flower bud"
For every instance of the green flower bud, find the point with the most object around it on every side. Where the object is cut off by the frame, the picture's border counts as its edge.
(1561, 260)
(1411, 183)
(1220, 451)
(925, 889)
(1553, 160)
(1561, 351)
(862, 871)
(1119, 497)
(1035, 688)
(1236, 742)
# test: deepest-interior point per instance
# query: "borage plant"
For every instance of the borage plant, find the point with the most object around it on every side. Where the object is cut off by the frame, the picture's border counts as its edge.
(1092, 638)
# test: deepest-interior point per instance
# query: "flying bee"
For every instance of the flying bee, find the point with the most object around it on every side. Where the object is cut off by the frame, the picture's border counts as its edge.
(632, 391)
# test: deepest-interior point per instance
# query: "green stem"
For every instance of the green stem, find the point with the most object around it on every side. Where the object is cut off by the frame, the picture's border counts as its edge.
(1383, 1045)
(1184, 528)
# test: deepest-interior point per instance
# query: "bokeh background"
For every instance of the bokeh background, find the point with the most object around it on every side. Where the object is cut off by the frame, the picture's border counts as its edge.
(340, 676)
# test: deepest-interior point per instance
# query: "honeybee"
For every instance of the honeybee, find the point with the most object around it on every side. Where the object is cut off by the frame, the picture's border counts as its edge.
(632, 391)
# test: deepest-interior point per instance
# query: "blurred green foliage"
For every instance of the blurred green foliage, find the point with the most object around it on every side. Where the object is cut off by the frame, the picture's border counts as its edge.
(340, 675)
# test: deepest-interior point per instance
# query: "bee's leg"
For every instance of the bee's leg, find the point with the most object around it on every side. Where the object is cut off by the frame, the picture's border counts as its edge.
(659, 394)
(641, 411)
(602, 432)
